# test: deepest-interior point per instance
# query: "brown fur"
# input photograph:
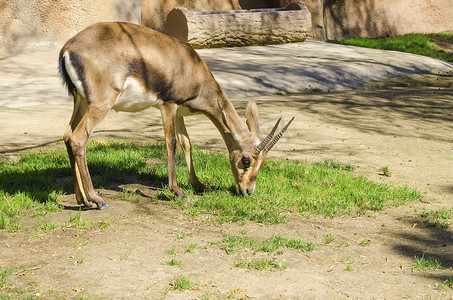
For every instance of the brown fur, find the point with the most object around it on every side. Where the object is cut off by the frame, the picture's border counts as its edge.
(105, 55)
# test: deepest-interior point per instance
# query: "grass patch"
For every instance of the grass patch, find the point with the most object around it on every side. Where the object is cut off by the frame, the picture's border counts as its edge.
(81, 261)
(104, 224)
(348, 268)
(181, 283)
(37, 181)
(191, 248)
(4, 274)
(365, 242)
(261, 264)
(174, 263)
(78, 222)
(172, 251)
(79, 245)
(329, 238)
(446, 284)
(426, 263)
(437, 218)
(327, 188)
(232, 244)
(181, 236)
(131, 195)
(45, 226)
(422, 44)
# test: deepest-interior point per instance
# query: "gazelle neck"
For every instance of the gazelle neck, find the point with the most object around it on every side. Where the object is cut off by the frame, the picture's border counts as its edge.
(234, 132)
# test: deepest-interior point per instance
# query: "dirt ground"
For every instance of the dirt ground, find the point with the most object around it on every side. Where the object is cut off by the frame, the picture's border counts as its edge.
(407, 127)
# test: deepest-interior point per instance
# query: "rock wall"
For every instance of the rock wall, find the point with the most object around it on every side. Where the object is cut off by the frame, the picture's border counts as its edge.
(154, 12)
(29, 24)
(332, 19)
(341, 19)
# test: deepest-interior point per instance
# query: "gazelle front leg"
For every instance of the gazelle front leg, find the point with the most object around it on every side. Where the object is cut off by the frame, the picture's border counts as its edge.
(184, 141)
(169, 119)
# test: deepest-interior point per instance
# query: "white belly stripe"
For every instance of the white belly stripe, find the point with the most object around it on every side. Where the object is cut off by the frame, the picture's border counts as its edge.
(135, 98)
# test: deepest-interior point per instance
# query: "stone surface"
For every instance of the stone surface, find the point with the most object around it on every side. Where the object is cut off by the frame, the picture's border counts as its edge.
(371, 18)
(240, 27)
(154, 12)
(29, 24)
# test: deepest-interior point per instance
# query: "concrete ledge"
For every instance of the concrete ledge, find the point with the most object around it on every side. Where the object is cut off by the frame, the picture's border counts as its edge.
(232, 28)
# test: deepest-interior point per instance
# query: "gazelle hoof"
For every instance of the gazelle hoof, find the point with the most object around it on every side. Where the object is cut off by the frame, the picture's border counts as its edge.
(199, 187)
(104, 205)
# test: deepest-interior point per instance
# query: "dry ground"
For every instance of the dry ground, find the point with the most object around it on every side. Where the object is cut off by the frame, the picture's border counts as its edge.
(408, 129)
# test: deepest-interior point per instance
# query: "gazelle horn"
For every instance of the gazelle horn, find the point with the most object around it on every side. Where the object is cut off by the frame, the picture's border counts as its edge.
(268, 137)
(277, 137)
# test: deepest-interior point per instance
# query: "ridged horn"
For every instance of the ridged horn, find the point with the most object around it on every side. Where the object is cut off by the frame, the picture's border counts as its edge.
(277, 137)
(268, 137)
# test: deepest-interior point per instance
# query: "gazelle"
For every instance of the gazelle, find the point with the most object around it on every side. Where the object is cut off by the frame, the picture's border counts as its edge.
(129, 67)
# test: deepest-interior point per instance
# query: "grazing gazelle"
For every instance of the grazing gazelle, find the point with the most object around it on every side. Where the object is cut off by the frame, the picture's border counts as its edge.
(130, 68)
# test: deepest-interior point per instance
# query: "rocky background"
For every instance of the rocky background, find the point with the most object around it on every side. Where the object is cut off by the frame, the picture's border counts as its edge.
(29, 24)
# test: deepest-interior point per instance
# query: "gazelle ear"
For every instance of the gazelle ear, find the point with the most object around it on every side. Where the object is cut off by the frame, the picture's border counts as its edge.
(252, 118)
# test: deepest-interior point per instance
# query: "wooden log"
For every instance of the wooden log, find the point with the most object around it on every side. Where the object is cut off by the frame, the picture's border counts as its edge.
(232, 28)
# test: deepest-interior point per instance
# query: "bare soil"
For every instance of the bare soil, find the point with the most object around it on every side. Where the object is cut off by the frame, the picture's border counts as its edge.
(405, 126)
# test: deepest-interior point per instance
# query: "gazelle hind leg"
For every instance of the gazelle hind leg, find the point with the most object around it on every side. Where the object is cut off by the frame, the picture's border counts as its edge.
(78, 134)
(77, 114)
(186, 146)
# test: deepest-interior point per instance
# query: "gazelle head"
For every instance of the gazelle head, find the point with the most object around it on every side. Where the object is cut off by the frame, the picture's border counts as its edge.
(247, 159)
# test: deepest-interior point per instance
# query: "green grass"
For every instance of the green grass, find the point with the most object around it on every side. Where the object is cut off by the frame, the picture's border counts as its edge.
(326, 188)
(437, 218)
(78, 221)
(45, 226)
(33, 185)
(415, 43)
(131, 195)
(181, 236)
(4, 274)
(261, 264)
(365, 242)
(329, 238)
(446, 284)
(191, 248)
(426, 263)
(81, 261)
(172, 251)
(181, 283)
(174, 263)
(231, 244)
(78, 244)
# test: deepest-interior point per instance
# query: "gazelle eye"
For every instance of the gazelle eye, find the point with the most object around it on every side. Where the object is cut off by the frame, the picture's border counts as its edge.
(246, 161)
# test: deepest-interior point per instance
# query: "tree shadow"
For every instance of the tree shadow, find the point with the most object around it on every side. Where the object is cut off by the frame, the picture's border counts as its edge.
(21, 149)
(359, 19)
(429, 242)
(328, 67)
(420, 113)
(43, 180)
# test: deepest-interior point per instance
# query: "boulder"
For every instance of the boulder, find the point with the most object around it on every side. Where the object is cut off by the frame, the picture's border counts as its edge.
(233, 28)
